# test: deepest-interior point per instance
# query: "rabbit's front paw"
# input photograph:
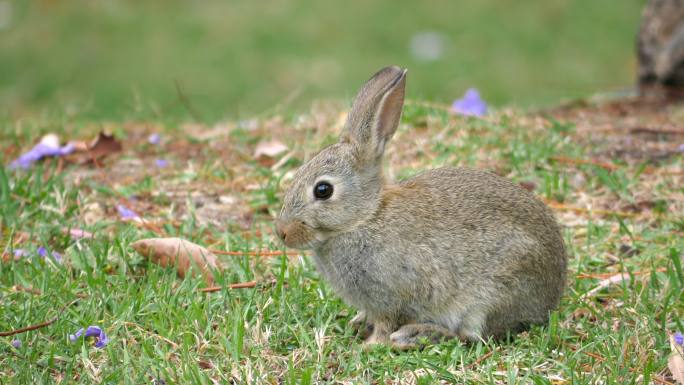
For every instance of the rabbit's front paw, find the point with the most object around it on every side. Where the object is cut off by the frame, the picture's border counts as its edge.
(380, 335)
(412, 336)
(361, 325)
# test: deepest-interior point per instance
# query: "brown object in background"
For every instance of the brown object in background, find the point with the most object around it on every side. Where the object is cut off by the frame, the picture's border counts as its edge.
(660, 48)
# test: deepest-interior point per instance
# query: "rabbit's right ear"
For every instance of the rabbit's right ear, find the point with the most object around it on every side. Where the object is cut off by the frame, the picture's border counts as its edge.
(376, 111)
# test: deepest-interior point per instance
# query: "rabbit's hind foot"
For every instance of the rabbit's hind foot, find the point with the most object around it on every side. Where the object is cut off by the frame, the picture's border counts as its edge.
(413, 336)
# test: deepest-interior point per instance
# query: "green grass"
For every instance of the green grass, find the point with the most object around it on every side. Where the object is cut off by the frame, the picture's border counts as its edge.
(134, 59)
(291, 328)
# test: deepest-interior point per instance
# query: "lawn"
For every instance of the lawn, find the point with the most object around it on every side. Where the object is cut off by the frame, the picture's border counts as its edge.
(615, 186)
(191, 90)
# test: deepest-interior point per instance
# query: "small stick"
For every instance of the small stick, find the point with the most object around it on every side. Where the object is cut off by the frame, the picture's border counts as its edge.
(38, 326)
(563, 159)
(269, 253)
(608, 275)
(483, 357)
(561, 206)
(241, 285)
(595, 356)
(612, 167)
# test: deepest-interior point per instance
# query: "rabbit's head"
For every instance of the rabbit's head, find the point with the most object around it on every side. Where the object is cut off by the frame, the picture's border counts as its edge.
(339, 188)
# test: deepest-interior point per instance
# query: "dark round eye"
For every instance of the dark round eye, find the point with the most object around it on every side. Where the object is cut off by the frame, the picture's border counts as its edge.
(323, 190)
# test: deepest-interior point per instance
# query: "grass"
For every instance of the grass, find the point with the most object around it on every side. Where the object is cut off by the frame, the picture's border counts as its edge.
(291, 328)
(133, 60)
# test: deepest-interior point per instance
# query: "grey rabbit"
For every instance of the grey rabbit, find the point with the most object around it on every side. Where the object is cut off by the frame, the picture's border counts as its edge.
(451, 252)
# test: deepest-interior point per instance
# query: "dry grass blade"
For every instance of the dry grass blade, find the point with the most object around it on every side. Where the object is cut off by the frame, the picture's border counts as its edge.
(562, 159)
(179, 254)
(266, 253)
(240, 285)
(560, 206)
(610, 281)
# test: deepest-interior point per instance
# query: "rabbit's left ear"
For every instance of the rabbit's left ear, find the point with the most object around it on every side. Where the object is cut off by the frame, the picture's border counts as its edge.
(376, 111)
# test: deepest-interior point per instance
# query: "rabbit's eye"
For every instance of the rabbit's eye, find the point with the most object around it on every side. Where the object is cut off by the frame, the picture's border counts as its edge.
(323, 190)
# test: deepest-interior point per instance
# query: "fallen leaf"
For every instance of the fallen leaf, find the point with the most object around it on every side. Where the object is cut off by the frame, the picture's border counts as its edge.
(267, 151)
(180, 254)
(676, 362)
(77, 233)
(103, 145)
(610, 281)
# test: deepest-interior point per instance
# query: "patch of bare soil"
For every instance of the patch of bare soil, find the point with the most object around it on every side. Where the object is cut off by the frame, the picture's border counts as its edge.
(634, 130)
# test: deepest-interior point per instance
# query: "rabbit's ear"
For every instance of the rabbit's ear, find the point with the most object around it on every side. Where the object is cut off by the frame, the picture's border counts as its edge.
(375, 114)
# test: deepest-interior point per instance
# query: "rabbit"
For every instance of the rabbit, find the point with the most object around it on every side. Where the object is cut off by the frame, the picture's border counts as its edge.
(450, 253)
(660, 47)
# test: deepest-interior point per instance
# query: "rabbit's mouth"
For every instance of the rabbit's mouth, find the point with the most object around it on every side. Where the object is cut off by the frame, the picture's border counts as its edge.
(296, 234)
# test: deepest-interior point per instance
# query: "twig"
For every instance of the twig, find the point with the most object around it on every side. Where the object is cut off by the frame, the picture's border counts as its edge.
(615, 279)
(612, 167)
(40, 325)
(562, 159)
(608, 275)
(561, 206)
(656, 131)
(269, 253)
(595, 356)
(483, 357)
(241, 285)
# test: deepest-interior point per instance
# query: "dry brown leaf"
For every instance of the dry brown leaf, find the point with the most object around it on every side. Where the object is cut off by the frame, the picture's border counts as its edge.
(179, 254)
(76, 233)
(676, 362)
(267, 151)
(103, 145)
(610, 281)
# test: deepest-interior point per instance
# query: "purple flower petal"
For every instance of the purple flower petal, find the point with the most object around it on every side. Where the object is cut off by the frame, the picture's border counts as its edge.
(154, 139)
(679, 339)
(16, 344)
(96, 332)
(681, 147)
(161, 163)
(41, 150)
(93, 331)
(57, 256)
(126, 213)
(18, 253)
(43, 253)
(78, 333)
(471, 104)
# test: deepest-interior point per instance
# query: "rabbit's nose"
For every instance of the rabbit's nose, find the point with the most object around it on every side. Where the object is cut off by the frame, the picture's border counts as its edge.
(281, 230)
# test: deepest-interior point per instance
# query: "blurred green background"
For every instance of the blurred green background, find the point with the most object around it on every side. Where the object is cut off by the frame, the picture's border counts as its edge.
(133, 59)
